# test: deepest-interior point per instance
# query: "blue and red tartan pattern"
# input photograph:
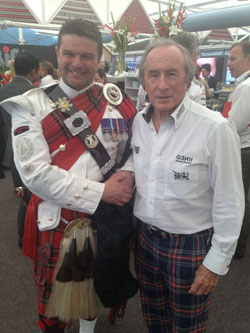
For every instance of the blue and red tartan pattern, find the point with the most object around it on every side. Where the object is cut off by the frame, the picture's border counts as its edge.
(165, 269)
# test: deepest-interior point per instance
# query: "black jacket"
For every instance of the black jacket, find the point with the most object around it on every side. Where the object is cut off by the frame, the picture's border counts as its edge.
(17, 86)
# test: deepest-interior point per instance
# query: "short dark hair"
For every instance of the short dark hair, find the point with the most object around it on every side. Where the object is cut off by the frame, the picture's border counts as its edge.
(82, 28)
(25, 62)
(101, 72)
(245, 46)
(207, 67)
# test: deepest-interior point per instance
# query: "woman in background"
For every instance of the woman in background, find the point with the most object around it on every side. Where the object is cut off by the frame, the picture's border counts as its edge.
(48, 73)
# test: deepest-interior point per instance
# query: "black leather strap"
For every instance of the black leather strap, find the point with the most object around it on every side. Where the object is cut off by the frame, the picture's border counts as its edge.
(86, 135)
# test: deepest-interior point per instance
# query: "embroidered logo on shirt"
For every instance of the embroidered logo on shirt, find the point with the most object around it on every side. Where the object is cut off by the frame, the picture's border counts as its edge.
(137, 150)
(179, 113)
(181, 175)
(184, 159)
(21, 130)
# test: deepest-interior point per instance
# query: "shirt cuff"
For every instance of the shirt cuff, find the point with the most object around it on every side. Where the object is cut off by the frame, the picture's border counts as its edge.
(218, 263)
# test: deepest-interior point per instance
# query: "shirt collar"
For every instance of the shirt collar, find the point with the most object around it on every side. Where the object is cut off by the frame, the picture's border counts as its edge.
(70, 92)
(177, 114)
(242, 77)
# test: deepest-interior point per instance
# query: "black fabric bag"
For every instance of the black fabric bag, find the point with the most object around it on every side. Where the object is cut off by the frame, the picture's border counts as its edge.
(113, 280)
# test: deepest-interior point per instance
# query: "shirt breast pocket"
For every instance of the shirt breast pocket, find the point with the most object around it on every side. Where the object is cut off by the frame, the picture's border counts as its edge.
(182, 181)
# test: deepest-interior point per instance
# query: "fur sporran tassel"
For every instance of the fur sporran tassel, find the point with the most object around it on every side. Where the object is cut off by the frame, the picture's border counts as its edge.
(73, 294)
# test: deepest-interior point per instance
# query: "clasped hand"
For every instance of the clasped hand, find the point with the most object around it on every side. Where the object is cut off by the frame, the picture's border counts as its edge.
(119, 188)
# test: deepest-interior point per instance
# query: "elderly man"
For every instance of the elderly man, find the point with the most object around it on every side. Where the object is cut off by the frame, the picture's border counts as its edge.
(189, 197)
(239, 115)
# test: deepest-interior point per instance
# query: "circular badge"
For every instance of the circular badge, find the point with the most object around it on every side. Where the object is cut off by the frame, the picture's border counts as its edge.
(112, 94)
(91, 141)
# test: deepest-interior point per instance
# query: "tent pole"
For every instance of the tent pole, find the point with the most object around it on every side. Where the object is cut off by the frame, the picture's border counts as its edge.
(20, 40)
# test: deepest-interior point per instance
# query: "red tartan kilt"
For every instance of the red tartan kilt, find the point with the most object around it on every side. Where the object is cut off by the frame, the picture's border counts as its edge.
(48, 245)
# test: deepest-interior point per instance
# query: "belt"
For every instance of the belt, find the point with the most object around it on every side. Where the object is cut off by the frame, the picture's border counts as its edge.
(160, 233)
(164, 234)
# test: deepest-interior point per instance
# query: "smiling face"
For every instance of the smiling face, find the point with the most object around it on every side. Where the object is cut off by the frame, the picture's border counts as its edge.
(165, 78)
(237, 62)
(77, 60)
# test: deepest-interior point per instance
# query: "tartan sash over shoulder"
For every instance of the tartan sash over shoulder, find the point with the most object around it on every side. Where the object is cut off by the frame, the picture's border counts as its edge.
(93, 103)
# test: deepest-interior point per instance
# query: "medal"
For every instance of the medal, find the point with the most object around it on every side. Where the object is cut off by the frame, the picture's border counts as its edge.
(124, 130)
(107, 137)
(114, 137)
(125, 136)
(106, 129)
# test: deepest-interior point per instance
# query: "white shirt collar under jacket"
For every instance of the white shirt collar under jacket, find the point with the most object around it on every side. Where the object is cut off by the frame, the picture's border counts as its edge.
(71, 93)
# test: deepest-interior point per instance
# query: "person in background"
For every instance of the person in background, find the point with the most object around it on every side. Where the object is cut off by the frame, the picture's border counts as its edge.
(211, 80)
(58, 166)
(189, 194)
(26, 66)
(239, 116)
(48, 73)
(191, 42)
(204, 82)
(100, 76)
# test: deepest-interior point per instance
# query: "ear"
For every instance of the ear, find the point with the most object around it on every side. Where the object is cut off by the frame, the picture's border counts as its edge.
(248, 61)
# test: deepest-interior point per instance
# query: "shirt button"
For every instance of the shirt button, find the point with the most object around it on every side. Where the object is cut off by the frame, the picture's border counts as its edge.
(50, 218)
(77, 196)
(110, 108)
(62, 147)
(155, 157)
(152, 180)
(38, 222)
(85, 187)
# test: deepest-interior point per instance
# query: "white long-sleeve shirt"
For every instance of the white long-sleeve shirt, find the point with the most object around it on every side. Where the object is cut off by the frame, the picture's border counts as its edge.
(188, 177)
(239, 114)
(80, 187)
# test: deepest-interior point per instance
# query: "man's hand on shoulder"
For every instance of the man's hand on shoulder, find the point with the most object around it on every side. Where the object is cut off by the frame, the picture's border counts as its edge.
(205, 281)
(116, 191)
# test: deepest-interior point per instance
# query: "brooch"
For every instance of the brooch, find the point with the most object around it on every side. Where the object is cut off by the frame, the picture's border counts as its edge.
(64, 104)
(112, 94)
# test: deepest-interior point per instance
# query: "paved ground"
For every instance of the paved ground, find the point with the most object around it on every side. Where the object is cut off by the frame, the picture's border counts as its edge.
(230, 311)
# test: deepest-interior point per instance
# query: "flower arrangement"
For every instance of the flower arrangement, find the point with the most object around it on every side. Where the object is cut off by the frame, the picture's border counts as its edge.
(122, 35)
(169, 24)
(5, 73)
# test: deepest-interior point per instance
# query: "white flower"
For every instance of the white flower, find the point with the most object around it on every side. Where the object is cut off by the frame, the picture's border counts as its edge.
(166, 19)
(173, 30)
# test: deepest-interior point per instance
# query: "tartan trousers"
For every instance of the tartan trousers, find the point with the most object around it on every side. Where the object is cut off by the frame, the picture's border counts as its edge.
(165, 270)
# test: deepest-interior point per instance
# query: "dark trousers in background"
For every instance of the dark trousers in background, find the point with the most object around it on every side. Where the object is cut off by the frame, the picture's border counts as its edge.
(242, 242)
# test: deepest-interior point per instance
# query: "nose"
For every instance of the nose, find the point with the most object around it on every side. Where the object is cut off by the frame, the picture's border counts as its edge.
(77, 61)
(163, 82)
